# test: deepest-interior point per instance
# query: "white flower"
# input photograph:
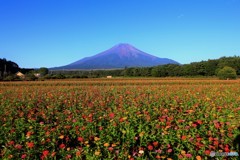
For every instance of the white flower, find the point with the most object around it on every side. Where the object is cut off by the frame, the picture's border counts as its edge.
(141, 151)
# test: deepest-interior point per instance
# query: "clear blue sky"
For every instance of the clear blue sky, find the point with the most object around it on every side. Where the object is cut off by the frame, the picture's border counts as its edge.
(49, 33)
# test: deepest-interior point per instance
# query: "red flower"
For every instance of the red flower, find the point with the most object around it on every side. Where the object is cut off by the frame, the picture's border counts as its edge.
(199, 121)
(110, 148)
(217, 125)
(210, 139)
(155, 144)
(169, 150)
(184, 137)
(226, 149)
(45, 153)
(198, 144)
(53, 154)
(215, 143)
(80, 139)
(29, 133)
(199, 138)
(78, 153)
(194, 125)
(180, 156)
(121, 120)
(150, 147)
(11, 143)
(30, 144)
(62, 146)
(207, 152)
(181, 120)
(111, 115)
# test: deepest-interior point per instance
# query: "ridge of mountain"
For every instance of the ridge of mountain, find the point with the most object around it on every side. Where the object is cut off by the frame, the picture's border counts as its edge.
(119, 56)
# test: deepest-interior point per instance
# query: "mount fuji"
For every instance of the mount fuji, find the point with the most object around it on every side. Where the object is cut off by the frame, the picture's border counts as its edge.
(119, 56)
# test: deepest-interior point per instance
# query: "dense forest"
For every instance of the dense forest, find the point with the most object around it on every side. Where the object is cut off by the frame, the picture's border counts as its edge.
(203, 68)
(7, 68)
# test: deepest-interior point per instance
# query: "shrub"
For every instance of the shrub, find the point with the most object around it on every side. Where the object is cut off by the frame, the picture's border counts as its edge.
(58, 76)
(11, 78)
(227, 73)
(30, 77)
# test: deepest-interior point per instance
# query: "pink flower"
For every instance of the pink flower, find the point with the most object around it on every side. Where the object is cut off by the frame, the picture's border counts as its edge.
(158, 151)
(68, 156)
(111, 115)
(18, 146)
(188, 155)
(23, 156)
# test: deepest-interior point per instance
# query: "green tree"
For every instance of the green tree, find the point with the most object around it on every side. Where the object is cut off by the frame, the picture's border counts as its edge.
(7, 68)
(159, 71)
(30, 77)
(227, 73)
(43, 71)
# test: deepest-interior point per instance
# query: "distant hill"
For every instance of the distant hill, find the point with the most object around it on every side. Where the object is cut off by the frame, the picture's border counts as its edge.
(7, 67)
(120, 56)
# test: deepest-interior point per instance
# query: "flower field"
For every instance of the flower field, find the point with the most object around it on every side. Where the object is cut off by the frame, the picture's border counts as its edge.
(119, 118)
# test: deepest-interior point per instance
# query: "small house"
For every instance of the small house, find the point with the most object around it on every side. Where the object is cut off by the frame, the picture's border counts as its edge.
(37, 75)
(20, 75)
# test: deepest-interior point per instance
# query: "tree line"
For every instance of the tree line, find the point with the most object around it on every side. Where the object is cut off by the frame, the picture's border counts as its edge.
(203, 68)
(210, 67)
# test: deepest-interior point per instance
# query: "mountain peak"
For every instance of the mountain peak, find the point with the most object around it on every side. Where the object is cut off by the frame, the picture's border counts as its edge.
(119, 56)
(123, 50)
(123, 45)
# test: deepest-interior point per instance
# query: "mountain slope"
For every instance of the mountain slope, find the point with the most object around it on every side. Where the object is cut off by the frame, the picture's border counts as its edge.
(119, 56)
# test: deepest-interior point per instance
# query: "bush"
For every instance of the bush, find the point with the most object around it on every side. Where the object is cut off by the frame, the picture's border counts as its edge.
(58, 76)
(12, 78)
(227, 73)
(48, 76)
(30, 77)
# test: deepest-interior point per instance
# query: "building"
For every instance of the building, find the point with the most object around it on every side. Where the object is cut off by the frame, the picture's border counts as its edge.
(37, 75)
(20, 75)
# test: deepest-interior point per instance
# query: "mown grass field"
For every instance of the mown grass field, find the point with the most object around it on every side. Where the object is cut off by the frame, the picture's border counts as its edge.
(119, 118)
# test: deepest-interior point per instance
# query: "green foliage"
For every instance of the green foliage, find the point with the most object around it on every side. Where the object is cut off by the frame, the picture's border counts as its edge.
(227, 73)
(30, 77)
(59, 76)
(7, 68)
(11, 77)
(43, 71)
